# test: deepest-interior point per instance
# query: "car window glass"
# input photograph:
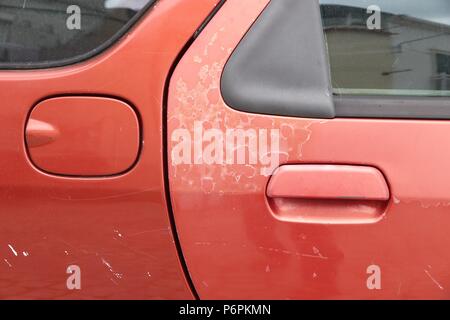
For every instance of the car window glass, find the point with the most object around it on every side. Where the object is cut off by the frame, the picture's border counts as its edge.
(398, 47)
(46, 32)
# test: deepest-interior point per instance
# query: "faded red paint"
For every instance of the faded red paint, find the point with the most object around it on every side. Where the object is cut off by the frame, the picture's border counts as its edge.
(116, 229)
(236, 248)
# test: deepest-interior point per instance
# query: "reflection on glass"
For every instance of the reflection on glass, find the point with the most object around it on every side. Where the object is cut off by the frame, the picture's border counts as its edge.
(409, 50)
(36, 30)
(130, 4)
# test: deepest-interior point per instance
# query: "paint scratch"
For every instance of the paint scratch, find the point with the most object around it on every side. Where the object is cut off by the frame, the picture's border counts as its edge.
(434, 280)
(7, 262)
(108, 265)
(12, 249)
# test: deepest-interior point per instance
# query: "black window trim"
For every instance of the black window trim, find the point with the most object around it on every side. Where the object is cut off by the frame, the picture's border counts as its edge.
(235, 79)
(392, 107)
(265, 74)
(128, 27)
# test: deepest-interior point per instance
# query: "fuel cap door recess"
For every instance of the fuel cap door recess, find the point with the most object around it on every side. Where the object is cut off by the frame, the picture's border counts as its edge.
(83, 136)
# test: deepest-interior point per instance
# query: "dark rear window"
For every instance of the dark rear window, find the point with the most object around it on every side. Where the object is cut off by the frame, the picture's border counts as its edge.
(37, 33)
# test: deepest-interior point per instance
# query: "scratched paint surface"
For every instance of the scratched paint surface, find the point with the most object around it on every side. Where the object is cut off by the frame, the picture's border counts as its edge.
(116, 229)
(233, 245)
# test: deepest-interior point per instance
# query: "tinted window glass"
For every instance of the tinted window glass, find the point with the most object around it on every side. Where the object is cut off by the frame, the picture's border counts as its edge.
(36, 31)
(388, 46)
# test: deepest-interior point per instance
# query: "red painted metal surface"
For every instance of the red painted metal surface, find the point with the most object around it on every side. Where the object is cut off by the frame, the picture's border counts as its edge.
(115, 229)
(83, 136)
(235, 247)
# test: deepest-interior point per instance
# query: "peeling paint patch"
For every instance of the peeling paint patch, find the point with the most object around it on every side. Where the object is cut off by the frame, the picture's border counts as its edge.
(118, 233)
(198, 59)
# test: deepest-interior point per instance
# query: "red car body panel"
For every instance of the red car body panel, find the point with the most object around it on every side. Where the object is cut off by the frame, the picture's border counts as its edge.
(116, 229)
(347, 195)
(234, 245)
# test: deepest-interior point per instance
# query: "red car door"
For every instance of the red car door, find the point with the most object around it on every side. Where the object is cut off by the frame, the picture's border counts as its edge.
(335, 195)
(83, 210)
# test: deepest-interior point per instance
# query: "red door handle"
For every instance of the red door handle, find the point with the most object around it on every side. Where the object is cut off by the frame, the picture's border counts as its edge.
(39, 133)
(328, 182)
(328, 194)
